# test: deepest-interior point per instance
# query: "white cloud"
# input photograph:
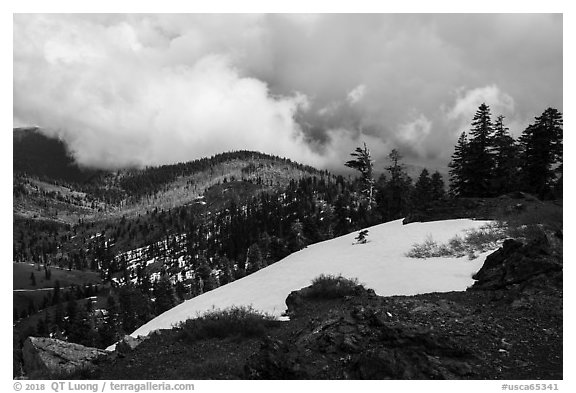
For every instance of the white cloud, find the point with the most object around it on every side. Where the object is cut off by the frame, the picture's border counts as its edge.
(114, 115)
(468, 101)
(120, 88)
(356, 94)
(415, 132)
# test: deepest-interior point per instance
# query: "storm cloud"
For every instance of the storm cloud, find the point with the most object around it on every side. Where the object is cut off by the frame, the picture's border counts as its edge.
(135, 90)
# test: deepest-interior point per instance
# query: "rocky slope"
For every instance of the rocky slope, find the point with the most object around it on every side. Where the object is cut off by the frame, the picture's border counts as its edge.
(508, 326)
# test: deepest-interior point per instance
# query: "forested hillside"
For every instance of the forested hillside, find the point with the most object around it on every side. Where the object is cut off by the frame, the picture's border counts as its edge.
(158, 236)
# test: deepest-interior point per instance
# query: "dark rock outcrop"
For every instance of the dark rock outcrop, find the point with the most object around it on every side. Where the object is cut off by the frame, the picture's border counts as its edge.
(360, 343)
(296, 299)
(48, 357)
(516, 263)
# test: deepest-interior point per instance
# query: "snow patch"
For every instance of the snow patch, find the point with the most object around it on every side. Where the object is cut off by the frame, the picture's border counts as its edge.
(380, 264)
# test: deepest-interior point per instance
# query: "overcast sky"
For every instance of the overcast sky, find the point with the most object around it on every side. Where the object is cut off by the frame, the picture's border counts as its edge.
(139, 90)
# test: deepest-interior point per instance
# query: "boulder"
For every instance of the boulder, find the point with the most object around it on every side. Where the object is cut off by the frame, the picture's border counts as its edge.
(48, 357)
(516, 263)
(359, 344)
(129, 343)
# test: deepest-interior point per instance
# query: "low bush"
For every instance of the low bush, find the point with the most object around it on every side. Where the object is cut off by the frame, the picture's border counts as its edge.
(236, 322)
(424, 250)
(331, 286)
(479, 240)
(485, 238)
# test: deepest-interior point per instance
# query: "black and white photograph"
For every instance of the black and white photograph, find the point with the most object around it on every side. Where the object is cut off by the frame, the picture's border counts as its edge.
(286, 196)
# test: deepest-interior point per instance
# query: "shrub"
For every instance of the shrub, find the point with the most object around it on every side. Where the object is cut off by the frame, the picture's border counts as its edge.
(427, 249)
(485, 238)
(458, 245)
(237, 322)
(331, 286)
(477, 240)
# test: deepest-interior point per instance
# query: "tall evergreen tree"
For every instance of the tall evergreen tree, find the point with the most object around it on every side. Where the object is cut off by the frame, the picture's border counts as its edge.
(164, 294)
(398, 188)
(135, 308)
(480, 160)
(254, 260)
(363, 163)
(541, 146)
(458, 166)
(297, 240)
(438, 191)
(422, 193)
(505, 159)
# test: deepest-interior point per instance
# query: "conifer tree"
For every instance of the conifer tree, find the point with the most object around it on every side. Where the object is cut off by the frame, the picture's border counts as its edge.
(458, 166)
(135, 308)
(480, 158)
(226, 268)
(505, 159)
(164, 294)
(297, 240)
(422, 195)
(438, 191)
(541, 144)
(364, 164)
(254, 260)
(398, 188)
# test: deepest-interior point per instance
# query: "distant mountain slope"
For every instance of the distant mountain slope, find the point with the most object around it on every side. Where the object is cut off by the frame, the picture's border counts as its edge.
(381, 264)
(133, 191)
(38, 155)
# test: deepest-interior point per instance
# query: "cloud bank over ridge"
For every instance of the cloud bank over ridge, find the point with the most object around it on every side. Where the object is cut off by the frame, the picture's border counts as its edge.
(134, 90)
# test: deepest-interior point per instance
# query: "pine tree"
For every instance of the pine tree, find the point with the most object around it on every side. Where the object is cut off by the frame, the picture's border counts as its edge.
(342, 213)
(164, 294)
(135, 308)
(364, 164)
(542, 148)
(297, 240)
(438, 191)
(226, 267)
(459, 178)
(480, 160)
(398, 188)
(505, 159)
(254, 260)
(422, 193)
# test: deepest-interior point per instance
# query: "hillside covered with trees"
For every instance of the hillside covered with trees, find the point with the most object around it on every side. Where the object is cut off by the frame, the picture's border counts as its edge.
(158, 236)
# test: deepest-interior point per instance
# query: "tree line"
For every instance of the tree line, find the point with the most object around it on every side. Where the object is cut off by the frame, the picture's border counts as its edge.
(488, 161)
